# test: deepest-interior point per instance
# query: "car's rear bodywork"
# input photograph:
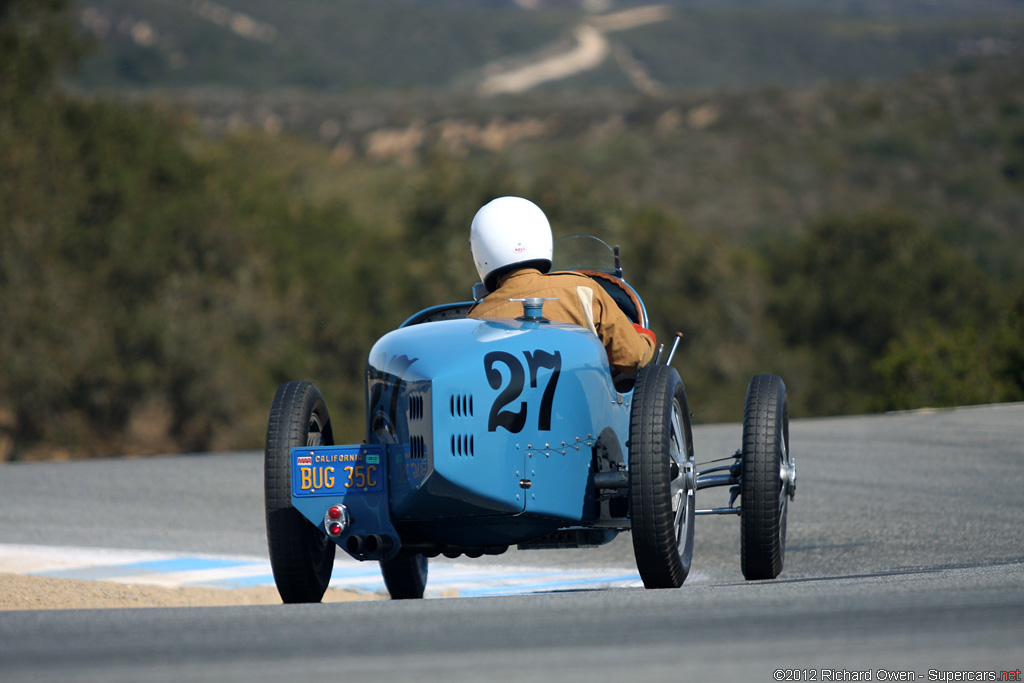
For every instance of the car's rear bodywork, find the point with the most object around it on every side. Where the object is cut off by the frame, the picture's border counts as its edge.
(480, 434)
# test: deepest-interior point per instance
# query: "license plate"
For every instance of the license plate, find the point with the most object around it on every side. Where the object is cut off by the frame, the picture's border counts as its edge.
(337, 470)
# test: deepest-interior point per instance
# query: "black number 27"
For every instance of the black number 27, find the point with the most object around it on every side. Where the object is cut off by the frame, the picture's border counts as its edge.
(514, 421)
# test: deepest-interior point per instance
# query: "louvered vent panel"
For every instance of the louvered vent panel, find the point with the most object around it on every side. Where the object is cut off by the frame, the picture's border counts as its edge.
(462, 445)
(416, 407)
(461, 405)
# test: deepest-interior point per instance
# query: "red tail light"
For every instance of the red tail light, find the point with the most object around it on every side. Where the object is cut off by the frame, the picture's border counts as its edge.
(336, 520)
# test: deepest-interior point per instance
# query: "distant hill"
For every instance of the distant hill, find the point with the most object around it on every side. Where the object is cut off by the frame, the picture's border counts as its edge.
(347, 45)
(167, 264)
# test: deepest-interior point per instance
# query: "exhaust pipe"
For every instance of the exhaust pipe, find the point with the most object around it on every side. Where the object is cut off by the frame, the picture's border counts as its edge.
(354, 545)
(378, 544)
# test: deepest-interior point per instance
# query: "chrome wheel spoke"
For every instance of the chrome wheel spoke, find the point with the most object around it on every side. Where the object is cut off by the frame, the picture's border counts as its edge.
(681, 488)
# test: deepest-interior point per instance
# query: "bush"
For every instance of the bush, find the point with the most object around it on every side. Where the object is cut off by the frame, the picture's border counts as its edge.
(850, 287)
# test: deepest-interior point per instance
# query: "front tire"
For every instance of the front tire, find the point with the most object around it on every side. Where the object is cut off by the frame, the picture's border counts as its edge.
(661, 478)
(301, 555)
(767, 478)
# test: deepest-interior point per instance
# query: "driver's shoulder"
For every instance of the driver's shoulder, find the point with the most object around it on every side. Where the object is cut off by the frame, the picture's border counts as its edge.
(575, 279)
(569, 275)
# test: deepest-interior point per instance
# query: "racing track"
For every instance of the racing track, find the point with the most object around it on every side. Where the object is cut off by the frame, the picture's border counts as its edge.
(905, 554)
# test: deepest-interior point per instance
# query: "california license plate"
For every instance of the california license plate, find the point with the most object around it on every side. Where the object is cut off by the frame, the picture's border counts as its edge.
(337, 470)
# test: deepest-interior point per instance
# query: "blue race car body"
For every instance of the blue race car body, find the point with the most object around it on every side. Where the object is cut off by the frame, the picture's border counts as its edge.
(481, 434)
(486, 434)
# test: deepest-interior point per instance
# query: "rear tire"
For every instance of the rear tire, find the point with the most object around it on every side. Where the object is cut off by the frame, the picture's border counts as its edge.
(661, 478)
(405, 576)
(301, 555)
(765, 482)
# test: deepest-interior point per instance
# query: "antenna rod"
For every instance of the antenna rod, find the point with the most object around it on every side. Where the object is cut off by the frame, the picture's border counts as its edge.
(675, 343)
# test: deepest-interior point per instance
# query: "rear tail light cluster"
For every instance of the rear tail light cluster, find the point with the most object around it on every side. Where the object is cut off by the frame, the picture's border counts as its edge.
(338, 523)
(336, 520)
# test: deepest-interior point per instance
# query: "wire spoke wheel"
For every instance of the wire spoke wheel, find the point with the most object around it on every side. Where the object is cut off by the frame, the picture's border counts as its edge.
(768, 478)
(661, 478)
(405, 576)
(683, 484)
(301, 555)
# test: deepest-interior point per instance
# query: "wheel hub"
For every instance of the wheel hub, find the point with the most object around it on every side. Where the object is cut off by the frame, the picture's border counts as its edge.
(787, 474)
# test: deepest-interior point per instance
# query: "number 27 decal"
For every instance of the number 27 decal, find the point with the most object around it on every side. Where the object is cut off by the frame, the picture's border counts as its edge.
(514, 421)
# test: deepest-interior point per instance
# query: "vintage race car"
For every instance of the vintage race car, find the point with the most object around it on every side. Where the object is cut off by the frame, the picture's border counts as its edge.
(486, 434)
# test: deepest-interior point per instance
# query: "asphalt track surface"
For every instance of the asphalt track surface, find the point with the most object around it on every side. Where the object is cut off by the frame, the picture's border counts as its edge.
(905, 558)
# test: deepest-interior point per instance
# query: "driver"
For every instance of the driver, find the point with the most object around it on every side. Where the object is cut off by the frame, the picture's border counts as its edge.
(511, 242)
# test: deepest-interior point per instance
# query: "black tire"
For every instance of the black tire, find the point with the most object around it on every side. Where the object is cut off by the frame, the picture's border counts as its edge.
(764, 483)
(301, 555)
(661, 478)
(405, 576)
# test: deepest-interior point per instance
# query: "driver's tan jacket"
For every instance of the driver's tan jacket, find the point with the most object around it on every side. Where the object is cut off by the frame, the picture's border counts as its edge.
(581, 301)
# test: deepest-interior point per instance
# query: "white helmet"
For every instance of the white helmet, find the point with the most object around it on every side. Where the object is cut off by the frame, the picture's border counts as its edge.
(509, 231)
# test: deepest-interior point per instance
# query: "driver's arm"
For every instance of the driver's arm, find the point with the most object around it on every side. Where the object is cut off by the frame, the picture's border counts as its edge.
(629, 346)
